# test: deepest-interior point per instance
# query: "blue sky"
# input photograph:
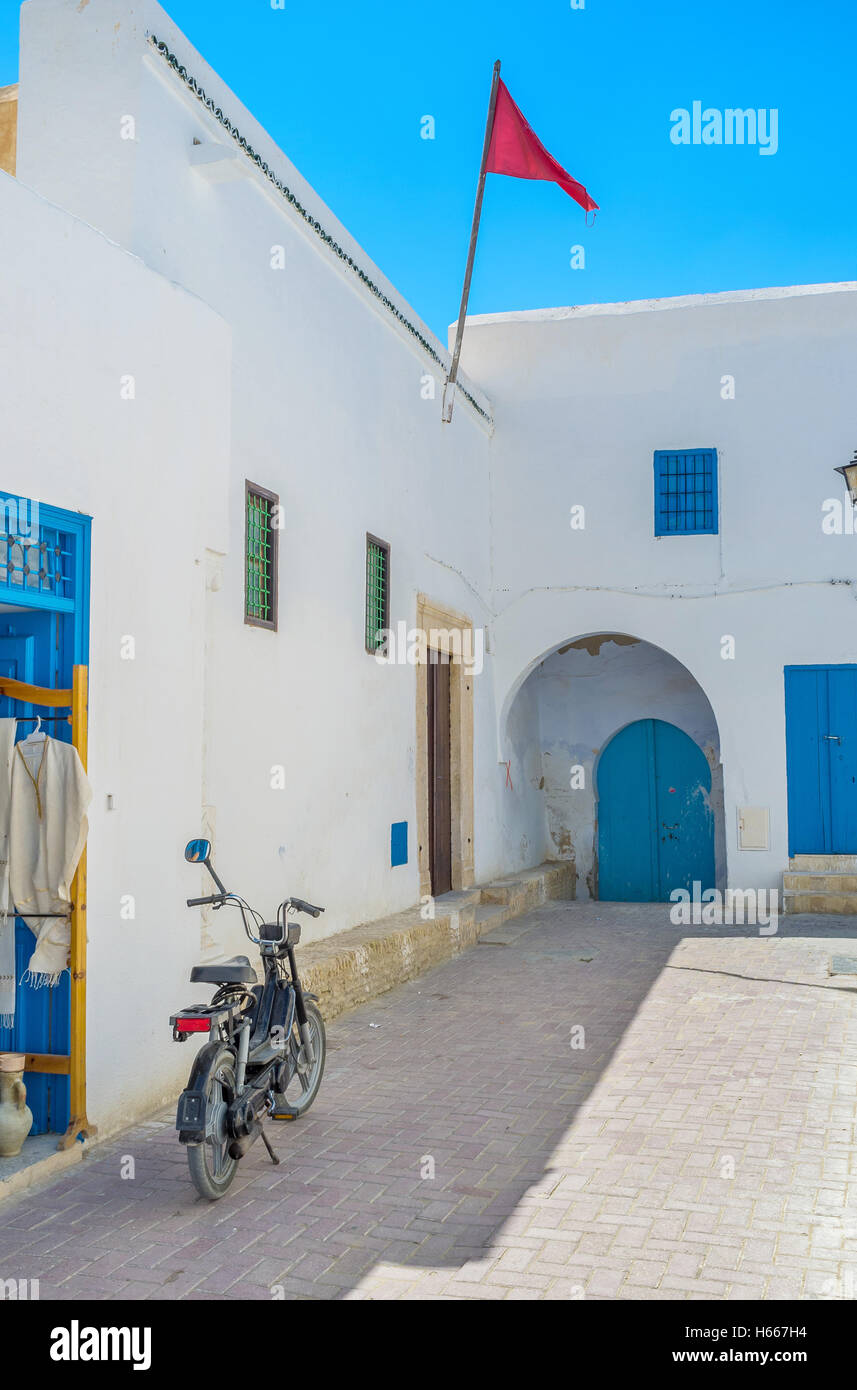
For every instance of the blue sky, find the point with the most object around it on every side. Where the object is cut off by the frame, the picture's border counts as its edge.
(342, 88)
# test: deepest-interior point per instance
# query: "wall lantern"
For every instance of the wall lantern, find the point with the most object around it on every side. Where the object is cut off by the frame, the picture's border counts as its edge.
(849, 473)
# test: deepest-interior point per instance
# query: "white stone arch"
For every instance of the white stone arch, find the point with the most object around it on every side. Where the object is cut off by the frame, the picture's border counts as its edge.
(692, 710)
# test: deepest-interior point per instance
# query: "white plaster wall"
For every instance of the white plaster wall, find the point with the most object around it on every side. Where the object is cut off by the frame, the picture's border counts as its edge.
(522, 802)
(582, 399)
(75, 315)
(327, 411)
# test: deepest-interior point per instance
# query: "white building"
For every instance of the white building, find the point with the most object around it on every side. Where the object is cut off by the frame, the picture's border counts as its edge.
(185, 320)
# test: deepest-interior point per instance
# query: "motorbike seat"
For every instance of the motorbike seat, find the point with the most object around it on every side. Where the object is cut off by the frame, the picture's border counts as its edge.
(235, 971)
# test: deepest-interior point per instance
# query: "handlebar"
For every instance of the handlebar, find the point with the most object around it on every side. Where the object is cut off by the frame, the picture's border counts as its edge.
(297, 903)
(301, 906)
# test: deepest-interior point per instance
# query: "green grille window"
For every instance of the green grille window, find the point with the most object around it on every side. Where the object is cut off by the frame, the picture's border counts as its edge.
(377, 592)
(261, 558)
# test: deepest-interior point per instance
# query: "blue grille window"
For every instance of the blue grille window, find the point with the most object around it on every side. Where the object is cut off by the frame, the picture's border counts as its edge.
(35, 558)
(686, 492)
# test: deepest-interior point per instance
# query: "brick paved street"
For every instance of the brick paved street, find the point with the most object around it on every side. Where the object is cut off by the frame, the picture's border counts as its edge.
(702, 1145)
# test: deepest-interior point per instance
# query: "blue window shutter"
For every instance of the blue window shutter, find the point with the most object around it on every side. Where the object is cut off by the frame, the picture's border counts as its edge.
(398, 843)
(686, 501)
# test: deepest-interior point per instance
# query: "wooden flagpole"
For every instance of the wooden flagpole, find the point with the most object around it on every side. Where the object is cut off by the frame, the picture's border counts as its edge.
(449, 387)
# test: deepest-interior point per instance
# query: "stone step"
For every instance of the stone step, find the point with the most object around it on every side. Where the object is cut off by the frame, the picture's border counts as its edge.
(821, 882)
(522, 893)
(824, 863)
(834, 903)
(511, 894)
(491, 915)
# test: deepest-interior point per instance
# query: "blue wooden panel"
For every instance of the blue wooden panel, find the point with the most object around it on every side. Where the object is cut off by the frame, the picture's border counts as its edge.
(685, 824)
(42, 1024)
(627, 857)
(842, 753)
(42, 1017)
(16, 661)
(399, 843)
(821, 758)
(806, 760)
(655, 825)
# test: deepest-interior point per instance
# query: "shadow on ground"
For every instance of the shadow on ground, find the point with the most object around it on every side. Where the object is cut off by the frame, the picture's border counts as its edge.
(451, 1110)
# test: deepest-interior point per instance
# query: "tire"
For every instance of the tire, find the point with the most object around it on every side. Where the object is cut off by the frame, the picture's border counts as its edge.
(303, 1084)
(211, 1168)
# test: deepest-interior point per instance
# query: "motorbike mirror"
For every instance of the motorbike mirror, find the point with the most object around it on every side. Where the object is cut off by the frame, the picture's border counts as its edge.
(197, 851)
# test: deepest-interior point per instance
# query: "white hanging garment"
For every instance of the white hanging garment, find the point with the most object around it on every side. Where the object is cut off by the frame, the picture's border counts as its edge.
(8, 728)
(48, 828)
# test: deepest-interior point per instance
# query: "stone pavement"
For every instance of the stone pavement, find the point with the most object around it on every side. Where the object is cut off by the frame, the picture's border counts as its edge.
(700, 1144)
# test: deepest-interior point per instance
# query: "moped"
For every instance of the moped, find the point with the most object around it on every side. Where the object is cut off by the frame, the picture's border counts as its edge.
(266, 1045)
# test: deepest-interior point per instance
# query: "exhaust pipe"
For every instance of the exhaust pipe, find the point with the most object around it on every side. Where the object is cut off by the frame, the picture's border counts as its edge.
(239, 1147)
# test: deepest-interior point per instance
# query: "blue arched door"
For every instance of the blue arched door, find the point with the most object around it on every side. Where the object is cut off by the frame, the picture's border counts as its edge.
(655, 824)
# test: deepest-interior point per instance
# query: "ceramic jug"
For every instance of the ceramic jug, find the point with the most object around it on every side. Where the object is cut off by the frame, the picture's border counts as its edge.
(16, 1117)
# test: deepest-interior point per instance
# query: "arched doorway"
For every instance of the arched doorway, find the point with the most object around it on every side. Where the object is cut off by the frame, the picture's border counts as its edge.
(655, 822)
(556, 728)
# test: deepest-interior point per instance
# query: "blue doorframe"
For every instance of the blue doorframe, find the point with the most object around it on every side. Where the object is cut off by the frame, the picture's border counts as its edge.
(655, 822)
(44, 632)
(821, 758)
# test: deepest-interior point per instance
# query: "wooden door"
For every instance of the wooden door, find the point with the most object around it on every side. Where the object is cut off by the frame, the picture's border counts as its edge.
(655, 825)
(821, 759)
(439, 777)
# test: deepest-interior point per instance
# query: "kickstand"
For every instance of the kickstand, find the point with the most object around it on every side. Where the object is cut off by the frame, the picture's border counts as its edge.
(263, 1136)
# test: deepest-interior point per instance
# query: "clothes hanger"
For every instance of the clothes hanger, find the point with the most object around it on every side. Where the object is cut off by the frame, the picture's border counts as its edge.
(38, 735)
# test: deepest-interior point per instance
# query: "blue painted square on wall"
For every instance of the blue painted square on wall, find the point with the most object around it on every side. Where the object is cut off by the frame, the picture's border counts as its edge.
(398, 843)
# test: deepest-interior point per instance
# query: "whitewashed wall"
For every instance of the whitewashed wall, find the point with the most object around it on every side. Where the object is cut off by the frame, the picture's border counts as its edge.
(583, 397)
(151, 472)
(328, 412)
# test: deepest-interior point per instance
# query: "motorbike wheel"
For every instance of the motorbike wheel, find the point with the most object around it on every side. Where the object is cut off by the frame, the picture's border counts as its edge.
(211, 1168)
(304, 1080)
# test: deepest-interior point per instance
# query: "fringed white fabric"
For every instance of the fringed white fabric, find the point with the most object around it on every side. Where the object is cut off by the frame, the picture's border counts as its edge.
(37, 979)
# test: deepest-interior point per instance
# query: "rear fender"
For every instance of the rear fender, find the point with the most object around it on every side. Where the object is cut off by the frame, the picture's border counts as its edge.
(190, 1115)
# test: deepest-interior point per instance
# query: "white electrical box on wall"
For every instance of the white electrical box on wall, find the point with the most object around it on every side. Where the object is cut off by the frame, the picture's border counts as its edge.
(754, 827)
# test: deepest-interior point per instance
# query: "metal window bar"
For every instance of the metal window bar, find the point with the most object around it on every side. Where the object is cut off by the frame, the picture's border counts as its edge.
(377, 593)
(686, 492)
(42, 564)
(45, 718)
(260, 606)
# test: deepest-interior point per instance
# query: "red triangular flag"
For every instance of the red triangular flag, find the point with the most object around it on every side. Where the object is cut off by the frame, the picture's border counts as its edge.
(515, 149)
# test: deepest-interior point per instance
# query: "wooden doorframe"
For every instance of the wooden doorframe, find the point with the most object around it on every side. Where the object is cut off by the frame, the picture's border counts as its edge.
(439, 773)
(438, 623)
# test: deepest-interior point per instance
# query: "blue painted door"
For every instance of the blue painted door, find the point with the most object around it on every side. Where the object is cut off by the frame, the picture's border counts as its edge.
(655, 824)
(821, 759)
(44, 632)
